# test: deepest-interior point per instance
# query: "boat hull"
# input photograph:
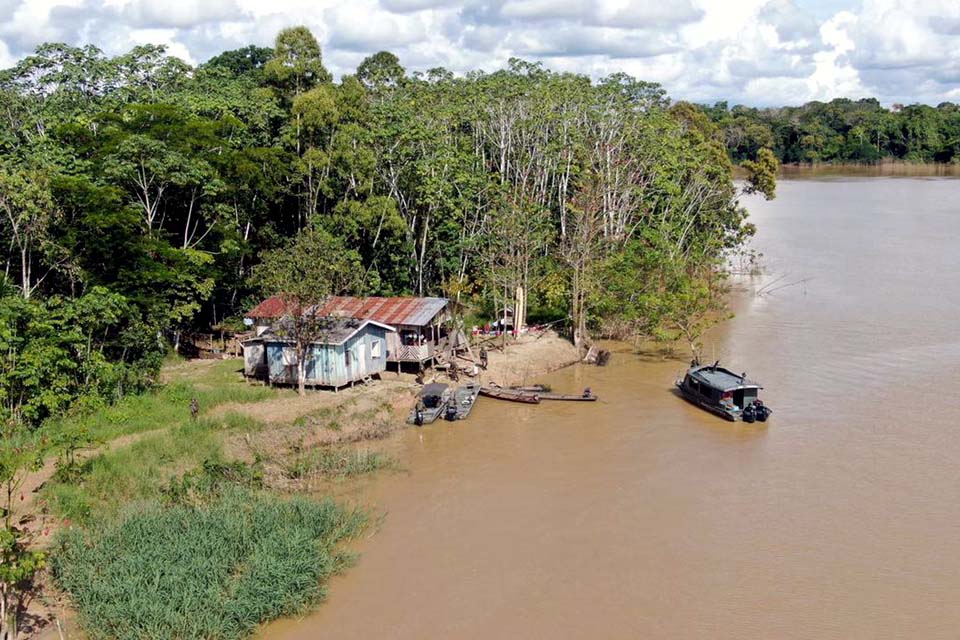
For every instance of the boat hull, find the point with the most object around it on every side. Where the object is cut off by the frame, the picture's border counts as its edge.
(546, 394)
(567, 397)
(510, 395)
(461, 404)
(428, 415)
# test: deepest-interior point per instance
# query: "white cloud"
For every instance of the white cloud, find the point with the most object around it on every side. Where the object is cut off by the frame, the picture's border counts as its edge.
(361, 26)
(6, 60)
(752, 51)
(179, 13)
(834, 76)
(407, 6)
(166, 37)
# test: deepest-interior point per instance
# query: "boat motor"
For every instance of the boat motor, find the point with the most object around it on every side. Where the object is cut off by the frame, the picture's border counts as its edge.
(749, 414)
(761, 410)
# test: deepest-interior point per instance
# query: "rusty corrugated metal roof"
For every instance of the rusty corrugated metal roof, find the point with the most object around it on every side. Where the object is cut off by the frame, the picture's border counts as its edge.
(392, 311)
(272, 307)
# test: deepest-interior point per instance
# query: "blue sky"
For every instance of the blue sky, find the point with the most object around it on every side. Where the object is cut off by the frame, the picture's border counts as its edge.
(756, 52)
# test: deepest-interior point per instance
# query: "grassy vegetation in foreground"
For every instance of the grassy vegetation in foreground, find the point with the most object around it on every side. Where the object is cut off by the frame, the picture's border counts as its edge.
(211, 383)
(214, 570)
(338, 463)
(141, 471)
(174, 539)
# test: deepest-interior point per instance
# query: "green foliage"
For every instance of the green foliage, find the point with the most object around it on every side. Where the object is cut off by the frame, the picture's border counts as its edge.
(335, 463)
(381, 72)
(762, 174)
(18, 566)
(60, 350)
(134, 473)
(841, 130)
(98, 486)
(161, 407)
(296, 64)
(249, 60)
(215, 570)
(211, 479)
(296, 274)
(145, 470)
(188, 193)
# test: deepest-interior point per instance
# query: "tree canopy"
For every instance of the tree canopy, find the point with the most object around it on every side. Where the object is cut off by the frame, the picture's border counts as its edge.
(842, 130)
(138, 195)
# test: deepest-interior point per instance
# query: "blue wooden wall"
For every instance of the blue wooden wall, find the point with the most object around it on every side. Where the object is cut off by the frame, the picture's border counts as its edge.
(327, 367)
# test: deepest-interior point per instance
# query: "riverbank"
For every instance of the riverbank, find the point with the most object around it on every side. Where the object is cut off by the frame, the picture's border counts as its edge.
(886, 169)
(150, 444)
(883, 169)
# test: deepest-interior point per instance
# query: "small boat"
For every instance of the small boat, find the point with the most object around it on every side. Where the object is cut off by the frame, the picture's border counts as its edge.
(431, 403)
(462, 401)
(546, 393)
(513, 395)
(723, 392)
(533, 388)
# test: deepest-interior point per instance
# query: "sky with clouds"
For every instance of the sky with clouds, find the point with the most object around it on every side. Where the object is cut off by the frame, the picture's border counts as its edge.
(755, 52)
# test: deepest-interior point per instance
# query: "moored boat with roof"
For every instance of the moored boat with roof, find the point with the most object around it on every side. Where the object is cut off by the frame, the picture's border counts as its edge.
(723, 392)
(431, 403)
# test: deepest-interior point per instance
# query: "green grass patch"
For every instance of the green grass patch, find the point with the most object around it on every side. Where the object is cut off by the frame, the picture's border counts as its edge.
(140, 471)
(338, 463)
(211, 479)
(167, 406)
(215, 570)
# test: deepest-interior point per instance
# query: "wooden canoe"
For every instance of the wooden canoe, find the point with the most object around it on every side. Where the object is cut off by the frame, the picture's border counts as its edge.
(511, 395)
(545, 393)
(532, 388)
(568, 397)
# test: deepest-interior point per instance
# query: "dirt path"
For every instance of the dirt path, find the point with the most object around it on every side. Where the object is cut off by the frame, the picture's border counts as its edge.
(34, 519)
(294, 423)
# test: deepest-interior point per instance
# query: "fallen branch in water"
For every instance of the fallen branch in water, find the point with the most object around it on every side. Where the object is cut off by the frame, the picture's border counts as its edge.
(767, 290)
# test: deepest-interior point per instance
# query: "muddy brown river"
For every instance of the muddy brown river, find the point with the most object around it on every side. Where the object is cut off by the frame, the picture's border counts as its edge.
(644, 517)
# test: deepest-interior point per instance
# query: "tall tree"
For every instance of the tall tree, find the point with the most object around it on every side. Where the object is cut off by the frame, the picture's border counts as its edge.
(296, 67)
(29, 212)
(305, 274)
(381, 72)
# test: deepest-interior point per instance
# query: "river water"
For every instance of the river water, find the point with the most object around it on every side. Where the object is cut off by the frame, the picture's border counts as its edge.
(644, 517)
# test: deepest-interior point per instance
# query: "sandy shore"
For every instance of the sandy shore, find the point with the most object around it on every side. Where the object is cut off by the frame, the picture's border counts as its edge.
(374, 411)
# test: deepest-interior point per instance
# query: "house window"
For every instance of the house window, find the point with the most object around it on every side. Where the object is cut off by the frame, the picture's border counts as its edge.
(375, 349)
(347, 357)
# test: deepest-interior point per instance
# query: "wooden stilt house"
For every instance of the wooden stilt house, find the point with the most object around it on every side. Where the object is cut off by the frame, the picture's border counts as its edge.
(422, 331)
(351, 351)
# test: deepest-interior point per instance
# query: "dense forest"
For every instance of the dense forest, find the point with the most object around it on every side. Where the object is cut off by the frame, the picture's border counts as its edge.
(842, 130)
(138, 195)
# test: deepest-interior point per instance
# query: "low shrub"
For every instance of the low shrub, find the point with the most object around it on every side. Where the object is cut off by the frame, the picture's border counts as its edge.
(214, 570)
(141, 471)
(211, 479)
(334, 463)
(163, 407)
